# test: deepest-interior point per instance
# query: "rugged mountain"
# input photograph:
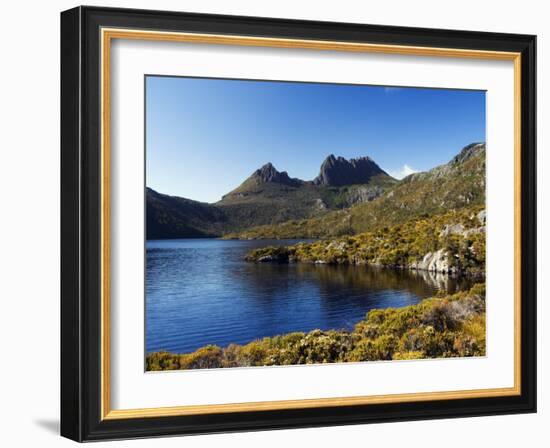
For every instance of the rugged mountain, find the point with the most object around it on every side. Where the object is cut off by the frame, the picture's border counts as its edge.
(337, 171)
(270, 203)
(271, 197)
(454, 185)
(267, 197)
(265, 182)
(268, 173)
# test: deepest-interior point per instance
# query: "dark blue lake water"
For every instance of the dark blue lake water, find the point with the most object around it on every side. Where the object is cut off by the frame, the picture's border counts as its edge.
(201, 291)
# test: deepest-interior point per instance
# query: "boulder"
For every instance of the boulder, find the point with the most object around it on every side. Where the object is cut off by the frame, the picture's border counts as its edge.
(437, 261)
(452, 229)
(482, 217)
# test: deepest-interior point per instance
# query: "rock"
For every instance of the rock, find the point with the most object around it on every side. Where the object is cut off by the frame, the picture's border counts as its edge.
(482, 217)
(468, 152)
(337, 245)
(279, 258)
(442, 171)
(458, 229)
(364, 194)
(437, 261)
(338, 171)
(269, 255)
(474, 231)
(452, 229)
(320, 205)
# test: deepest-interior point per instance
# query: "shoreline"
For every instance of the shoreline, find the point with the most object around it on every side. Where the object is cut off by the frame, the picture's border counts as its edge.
(476, 276)
(450, 243)
(449, 326)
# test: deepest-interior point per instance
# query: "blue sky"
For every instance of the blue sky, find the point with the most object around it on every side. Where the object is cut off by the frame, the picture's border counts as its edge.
(205, 136)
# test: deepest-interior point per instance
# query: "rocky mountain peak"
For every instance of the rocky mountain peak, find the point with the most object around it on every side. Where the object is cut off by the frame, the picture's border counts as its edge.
(468, 152)
(338, 171)
(268, 173)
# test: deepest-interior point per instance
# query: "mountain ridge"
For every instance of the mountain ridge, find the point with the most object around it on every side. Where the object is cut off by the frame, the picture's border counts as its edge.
(454, 185)
(334, 172)
(269, 202)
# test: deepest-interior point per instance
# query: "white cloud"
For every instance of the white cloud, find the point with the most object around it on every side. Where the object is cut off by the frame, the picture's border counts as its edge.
(402, 172)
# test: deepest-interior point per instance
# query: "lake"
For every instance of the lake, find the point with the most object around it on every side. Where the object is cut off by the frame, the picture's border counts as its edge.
(201, 291)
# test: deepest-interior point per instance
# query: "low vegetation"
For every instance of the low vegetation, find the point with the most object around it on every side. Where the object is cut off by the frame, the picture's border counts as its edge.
(439, 327)
(453, 242)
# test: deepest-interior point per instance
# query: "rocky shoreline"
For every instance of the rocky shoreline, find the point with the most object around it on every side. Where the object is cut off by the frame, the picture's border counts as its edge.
(436, 262)
(452, 243)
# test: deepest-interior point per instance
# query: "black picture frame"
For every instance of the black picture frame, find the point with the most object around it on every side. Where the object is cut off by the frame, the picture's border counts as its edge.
(81, 224)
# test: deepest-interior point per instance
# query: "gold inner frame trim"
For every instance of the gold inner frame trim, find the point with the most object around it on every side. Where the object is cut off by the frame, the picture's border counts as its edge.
(107, 35)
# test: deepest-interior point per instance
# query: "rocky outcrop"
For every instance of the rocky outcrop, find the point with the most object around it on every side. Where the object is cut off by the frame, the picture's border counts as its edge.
(468, 152)
(338, 171)
(459, 229)
(397, 248)
(320, 204)
(432, 262)
(363, 193)
(453, 229)
(271, 254)
(437, 261)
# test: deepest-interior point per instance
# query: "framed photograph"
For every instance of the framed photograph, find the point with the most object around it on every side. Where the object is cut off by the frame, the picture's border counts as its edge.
(273, 223)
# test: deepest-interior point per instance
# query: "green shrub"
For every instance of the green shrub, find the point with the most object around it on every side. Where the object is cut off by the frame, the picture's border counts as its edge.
(408, 355)
(381, 348)
(209, 357)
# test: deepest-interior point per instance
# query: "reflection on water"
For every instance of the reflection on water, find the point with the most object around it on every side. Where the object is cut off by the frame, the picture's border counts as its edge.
(201, 292)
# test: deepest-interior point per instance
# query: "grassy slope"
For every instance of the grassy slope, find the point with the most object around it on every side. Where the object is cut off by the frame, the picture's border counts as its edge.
(451, 326)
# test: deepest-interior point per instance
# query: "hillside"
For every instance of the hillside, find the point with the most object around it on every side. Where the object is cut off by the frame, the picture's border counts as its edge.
(267, 197)
(174, 217)
(457, 184)
(450, 243)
